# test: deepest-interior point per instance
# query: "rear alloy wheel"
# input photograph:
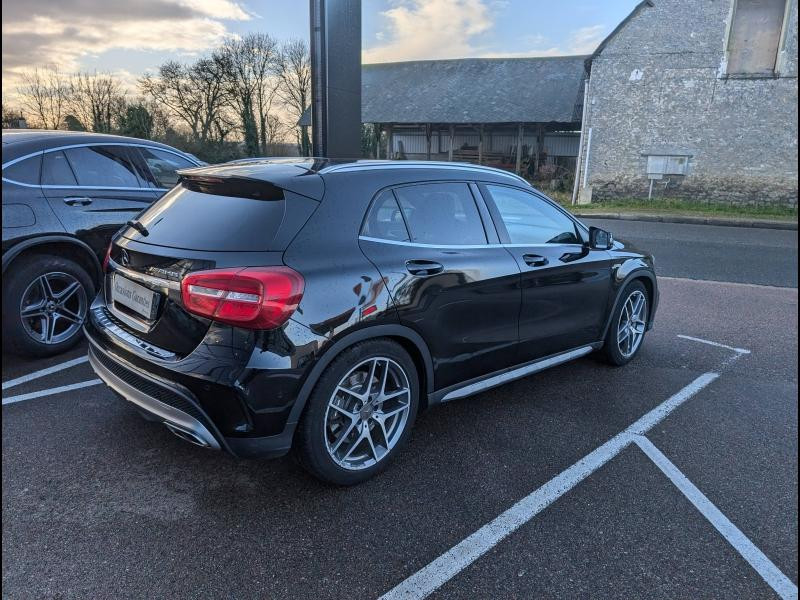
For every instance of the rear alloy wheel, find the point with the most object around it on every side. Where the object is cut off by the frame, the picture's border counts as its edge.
(628, 325)
(360, 413)
(45, 302)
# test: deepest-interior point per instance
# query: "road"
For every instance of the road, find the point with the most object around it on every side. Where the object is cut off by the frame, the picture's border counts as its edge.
(99, 503)
(739, 254)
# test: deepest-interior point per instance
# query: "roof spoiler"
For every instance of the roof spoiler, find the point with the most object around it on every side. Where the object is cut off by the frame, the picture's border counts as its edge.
(237, 187)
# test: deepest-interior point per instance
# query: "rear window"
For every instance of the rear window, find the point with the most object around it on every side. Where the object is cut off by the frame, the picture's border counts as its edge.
(194, 220)
(103, 166)
(441, 214)
(56, 170)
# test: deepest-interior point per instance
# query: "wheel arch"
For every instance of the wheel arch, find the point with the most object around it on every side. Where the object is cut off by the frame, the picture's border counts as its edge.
(648, 279)
(61, 245)
(409, 339)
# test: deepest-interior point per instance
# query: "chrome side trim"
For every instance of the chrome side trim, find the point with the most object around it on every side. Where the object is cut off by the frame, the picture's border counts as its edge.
(168, 414)
(540, 365)
(463, 246)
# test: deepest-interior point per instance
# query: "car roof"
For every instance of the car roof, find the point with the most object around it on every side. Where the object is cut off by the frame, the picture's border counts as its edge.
(305, 175)
(19, 142)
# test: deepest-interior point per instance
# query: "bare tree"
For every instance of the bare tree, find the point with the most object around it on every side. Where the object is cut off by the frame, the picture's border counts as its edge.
(193, 94)
(96, 100)
(294, 72)
(44, 94)
(249, 66)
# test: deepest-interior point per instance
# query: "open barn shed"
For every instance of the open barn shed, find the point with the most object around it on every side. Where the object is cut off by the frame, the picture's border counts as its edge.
(521, 114)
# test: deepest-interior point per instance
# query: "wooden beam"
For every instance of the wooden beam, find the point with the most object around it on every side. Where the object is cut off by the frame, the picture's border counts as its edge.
(389, 142)
(520, 134)
(428, 137)
(452, 141)
(480, 144)
(378, 134)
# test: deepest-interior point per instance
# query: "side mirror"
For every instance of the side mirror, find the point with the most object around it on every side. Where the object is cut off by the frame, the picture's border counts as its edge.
(600, 239)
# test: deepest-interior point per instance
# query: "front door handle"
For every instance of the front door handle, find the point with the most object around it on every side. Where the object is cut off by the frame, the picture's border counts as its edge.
(77, 201)
(423, 268)
(534, 260)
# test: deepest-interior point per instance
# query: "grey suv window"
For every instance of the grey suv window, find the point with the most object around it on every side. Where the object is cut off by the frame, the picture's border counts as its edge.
(441, 214)
(103, 166)
(163, 165)
(384, 220)
(56, 170)
(25, 171)
(530, 220)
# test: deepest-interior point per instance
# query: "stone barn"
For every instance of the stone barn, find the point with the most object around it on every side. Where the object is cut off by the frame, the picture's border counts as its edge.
(694, 99)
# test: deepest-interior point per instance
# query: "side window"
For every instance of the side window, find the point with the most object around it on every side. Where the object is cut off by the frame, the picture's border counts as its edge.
(163, 165)
(56, 169)
(103, 166)
(442, 214)
(530, 220)
(384, 220)
(25, 171)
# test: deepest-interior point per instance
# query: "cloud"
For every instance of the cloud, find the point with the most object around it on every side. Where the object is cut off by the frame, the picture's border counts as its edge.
(420, 29)
(437, 29)
(586, 39)
(42, 32)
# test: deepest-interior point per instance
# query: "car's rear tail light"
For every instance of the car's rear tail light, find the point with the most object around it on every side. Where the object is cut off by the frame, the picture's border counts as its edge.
(107, 258)
(252, 297)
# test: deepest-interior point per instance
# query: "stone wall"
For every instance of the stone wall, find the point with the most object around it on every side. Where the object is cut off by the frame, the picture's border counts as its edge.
(659, 87)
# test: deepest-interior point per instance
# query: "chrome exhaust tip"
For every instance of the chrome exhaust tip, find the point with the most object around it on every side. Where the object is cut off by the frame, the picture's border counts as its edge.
(187, 436)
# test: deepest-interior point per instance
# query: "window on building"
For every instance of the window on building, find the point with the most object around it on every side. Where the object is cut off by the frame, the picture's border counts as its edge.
(755, 36)
(441, 214)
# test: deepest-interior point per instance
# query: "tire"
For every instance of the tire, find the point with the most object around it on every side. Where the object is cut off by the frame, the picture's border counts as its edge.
(333, 443)
(56, 293)
(622, 343)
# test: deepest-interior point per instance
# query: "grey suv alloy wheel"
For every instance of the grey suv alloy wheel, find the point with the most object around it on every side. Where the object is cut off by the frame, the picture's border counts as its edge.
(45, 300)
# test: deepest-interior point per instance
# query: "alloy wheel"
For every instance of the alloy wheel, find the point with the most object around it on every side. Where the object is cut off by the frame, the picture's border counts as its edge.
(53, 308)
(367, 413)
(631, 326)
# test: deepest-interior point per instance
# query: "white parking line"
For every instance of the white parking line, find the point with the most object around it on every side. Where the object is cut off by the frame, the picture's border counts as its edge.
(782, 585)
(36, 374)
(717, 344)
(431, 577)
(51, 391)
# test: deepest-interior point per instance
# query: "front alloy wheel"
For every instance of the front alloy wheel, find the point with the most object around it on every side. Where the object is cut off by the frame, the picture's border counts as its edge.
(628, 325)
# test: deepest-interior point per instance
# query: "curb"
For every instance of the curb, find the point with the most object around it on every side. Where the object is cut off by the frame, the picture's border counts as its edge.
(721, 221)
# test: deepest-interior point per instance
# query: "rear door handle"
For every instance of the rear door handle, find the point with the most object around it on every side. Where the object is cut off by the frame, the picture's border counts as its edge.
(77, 201)
(534, 260)
(423, 267)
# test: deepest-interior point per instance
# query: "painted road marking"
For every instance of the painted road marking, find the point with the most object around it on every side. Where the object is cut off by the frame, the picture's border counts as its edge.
(43, 372)
(782, 585)
(431, 577)
(717, 344)
(731, 283)
(51, 391)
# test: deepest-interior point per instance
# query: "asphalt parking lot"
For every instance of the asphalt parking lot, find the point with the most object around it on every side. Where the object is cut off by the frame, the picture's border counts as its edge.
(672, 477)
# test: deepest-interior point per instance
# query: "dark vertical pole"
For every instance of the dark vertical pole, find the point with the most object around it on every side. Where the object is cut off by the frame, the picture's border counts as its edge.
(428, 134)
(336, 78)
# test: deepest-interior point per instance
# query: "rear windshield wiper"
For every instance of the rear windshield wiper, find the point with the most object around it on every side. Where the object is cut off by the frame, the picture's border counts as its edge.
(138, 227)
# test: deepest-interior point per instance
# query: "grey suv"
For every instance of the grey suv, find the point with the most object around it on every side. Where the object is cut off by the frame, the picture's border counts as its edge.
(64, 195)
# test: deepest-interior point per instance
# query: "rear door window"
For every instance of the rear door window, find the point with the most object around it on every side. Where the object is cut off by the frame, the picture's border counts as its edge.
(442, 214)
(103, 166)
(56, 170)
(25, 171)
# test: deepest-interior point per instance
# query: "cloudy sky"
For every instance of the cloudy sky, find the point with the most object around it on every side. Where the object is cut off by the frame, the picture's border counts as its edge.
(130, 37)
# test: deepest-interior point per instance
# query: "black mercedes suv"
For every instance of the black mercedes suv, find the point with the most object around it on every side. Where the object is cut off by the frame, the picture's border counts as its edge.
(318, 306)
